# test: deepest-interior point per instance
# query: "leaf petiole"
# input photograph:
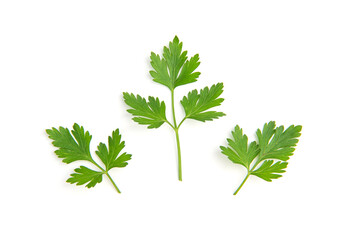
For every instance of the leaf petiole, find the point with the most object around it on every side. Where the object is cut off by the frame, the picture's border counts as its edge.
(243, 182)
(96, 164)
(179, 156)
(248, 174)
(112, 181)
(170, 124)
(106, 173)
(182, 121)
(175, 128)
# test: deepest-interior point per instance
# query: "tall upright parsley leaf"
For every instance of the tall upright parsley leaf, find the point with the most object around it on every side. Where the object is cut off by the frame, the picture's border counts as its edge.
(270, 153)
(172, 70)
(75, 145)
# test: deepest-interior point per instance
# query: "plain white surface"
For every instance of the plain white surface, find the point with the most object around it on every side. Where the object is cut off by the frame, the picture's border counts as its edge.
(69, 61)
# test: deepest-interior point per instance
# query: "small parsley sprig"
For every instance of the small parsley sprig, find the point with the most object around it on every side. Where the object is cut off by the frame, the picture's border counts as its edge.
(274, 143)
(75, 145)
(172, 70)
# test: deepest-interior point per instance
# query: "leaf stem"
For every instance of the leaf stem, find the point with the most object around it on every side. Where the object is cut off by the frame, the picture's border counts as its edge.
(175, 128)
(256, 163)
(182, 121)
(170, 124)
(243, 182)
(106, 173)
(249, 173)
(179, 156)
(116, 187)
(96, 164)
(173, 109)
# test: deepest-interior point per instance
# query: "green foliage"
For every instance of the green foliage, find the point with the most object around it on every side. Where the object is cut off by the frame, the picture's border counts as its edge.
(174, 69)
(110, 156)
(151, 113)
(196, 104)
(239, 150)
(75, 145)
(84, 175)
(281, 146)
(69, 148)
(268, 170)
(274, 143)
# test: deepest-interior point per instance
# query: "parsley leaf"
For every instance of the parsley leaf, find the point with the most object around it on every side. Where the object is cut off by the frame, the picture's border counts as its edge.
(283, 142)
(75, 145)
(196, 104)
(110, 156)
(84, 175)
(239, 151)
(268, 170)
(151, 113)
(174, 69)
(274, 143)
(69, 148)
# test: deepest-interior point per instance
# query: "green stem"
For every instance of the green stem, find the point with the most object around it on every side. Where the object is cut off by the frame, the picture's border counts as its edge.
(175, 128)
(249, 173)
(179, 156)
(243, 182)
(182, 121)
(96, 164)
(259, 157)
(173, 109)
(116, 187)
(104, 171)
(169, 124)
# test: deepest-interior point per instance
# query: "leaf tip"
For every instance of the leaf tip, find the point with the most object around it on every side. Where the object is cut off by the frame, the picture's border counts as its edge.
(175, 39)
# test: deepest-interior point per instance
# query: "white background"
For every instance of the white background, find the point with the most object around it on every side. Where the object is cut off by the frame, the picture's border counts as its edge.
(69, 61)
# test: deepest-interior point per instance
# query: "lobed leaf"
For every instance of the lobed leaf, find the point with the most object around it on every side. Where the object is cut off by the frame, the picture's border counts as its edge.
(71, 148)
(239, 150)
(273, 143)
(277, 143)
(85, 175)
(195, 105)
(187, 74)
(173, 69)
(151, 113)
(160, 73)
(268, 170)
(109, 156)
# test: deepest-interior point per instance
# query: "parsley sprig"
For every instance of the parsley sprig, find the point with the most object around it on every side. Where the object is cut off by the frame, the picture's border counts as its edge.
(75, 145)
(172, 70)
(269, 154)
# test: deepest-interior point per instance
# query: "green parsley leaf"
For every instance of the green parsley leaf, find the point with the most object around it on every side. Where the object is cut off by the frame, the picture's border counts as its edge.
(273, 143)
(110, 157)
(239, 150)
(268, 170)
(151, 113)
(283, 142)
(174, 69)
(160, 73)
(69, 148)
(196, 104)
(75, 145)
(84, 175)
(187, 74)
